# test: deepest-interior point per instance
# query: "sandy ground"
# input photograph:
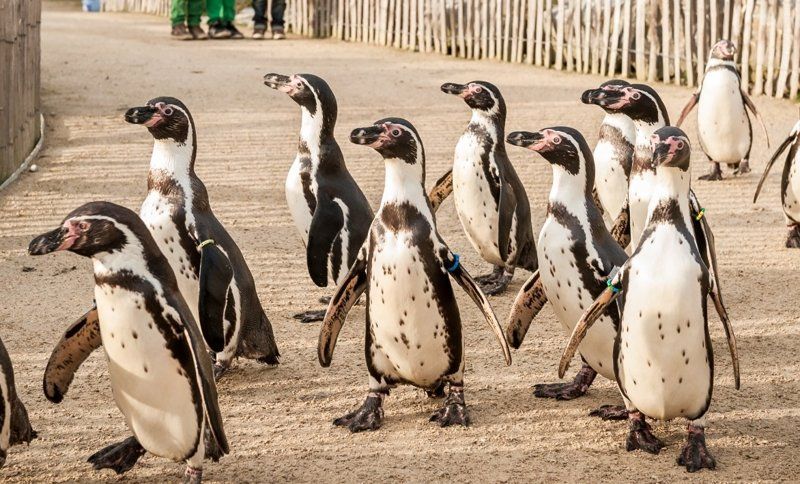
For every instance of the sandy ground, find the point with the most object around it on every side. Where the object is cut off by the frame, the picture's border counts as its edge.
(278, 421)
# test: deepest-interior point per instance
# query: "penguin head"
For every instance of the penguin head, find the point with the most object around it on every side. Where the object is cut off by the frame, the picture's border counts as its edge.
(393, 138)
(639, 102)
(560, 146)
(88, 230)
(479, 95)
(165, 117)
(671, 148)
(598, 96)
(723, 50)
(309, 91)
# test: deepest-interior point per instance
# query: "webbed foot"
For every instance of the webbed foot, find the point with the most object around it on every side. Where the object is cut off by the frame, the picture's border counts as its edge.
(695, 455)
(641, 436)
(454, 411)
(793, 238)
(192, 475)
(497, 285)
(714, 175)
(610, 412)
(368, 416)
(742, 167)
(119, 457)
(567, 391)
(310, 316)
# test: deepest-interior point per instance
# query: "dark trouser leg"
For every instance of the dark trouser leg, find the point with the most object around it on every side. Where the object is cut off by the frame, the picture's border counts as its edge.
(260, 9)
(640, 435)
(195, 11)
(695, 455)
(713, 175)
(119, 457)
(567, 391)
(278, 8)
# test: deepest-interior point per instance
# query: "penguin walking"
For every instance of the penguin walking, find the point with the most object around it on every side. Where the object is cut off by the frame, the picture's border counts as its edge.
(211, 271)
(663, 359)
(413, 333)
(576, 252)
(161, 374)
(726, 134)
(790, 185)
(328, 208)
(15, 428)
(489, 197)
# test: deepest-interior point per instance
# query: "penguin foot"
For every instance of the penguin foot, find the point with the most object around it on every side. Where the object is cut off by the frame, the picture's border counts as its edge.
(437, 392)
(192, 475)
(325, 300)
(367, 417)
(270, 360)
(567, 391)
(119, 457)
(454, 411)
(742, 167)
(714, 175)
(213, 451)
(497, 273)
(496, 286)
(640, 435)
(219, 370)
(610, 412)
(695, 455)
(310, 316)
(793, 239)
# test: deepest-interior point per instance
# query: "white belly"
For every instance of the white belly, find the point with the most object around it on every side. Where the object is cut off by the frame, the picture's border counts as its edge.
(475, 205)
(155, 213)
(405, 320)
(568, 298)
(722, 121)
(610, 180)
(639, 191)
(791, 201)
(148, 384)
(296, 199)
(664, 364)
(5, 429)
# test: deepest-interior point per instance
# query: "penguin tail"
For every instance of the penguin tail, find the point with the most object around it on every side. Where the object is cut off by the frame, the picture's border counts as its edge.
(527, 258)
(21, 430)
(258, 341)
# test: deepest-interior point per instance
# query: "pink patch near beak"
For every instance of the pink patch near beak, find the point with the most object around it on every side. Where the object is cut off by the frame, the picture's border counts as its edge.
(154, 121)
(72, 236)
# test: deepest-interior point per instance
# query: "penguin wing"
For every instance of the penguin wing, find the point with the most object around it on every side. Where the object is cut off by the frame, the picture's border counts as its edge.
(216, 275)
(530, 300)
(621, 230)
(749, 103)
(771, 162)
(462, 277)
(688, 108)
(326, 224)
(507, 208)
(348, 292)
(441, 190)
(79, 341)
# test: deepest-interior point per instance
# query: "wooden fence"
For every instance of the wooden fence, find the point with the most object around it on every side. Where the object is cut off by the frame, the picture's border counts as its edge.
(649, 40)
(20, 106)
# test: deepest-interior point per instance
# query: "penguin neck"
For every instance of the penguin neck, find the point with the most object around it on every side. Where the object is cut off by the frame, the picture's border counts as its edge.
(405, 183)
(493, 122)
(713, 62)
(314, 129)
(174, 158)
(671, 184)
(569, 189)
(621, 123)
(645, 130)
(129, 259)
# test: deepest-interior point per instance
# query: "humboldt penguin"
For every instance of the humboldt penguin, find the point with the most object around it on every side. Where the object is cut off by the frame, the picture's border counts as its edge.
(663, 358)
(161, 373)
(15, 428)
(413, 327)
(489, 197)
(576, 252)
(726, 134)
(790, 185)
(211, 271)
(328, 208)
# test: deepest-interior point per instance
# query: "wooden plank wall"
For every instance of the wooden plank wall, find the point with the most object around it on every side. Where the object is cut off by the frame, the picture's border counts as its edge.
(20, 106)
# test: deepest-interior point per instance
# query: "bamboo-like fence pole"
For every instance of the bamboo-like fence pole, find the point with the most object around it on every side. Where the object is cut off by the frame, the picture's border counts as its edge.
(772, 26)
(700, 41)
(794, 80)
(641, 5)
(748, 29)
(687, 41)
(786, 48)
(761, 42)
(652, 35)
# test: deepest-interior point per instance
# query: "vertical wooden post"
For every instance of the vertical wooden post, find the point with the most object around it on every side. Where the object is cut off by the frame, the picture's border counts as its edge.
(761, 41)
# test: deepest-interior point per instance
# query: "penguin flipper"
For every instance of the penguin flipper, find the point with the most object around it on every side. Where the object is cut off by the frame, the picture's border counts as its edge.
(467, 283)
(216, 275)
(621, 231)
(729, 335)
(441, 190)
(79, 341)
(688, 108)
(507, 208)
(326, 224)
(347, 293)
(588, 318)
(530, 300)
(771, 162)
(749, 103)
(20, 425)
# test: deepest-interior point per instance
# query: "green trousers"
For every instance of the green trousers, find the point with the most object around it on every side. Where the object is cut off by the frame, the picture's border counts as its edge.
(221, 11)
(186, 11)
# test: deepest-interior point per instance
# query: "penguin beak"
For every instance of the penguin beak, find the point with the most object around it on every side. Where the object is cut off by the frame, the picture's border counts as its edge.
(601, 97)
(526, 139)
(370, 136)
(455, 89)
(61, 238)
(146, 115)
(279, 82)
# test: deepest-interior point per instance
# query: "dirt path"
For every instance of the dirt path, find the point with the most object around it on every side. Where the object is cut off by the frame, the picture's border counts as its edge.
(278, 421)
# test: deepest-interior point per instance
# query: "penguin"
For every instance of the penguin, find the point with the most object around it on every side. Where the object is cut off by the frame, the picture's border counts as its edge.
(328, 208)
(663, 358)
(161, 374)
(724, 128)
(211, 271)
(576, 251)
(613, 157)
(489, 197)
(413, 326)
(15, 427)
(790, 185)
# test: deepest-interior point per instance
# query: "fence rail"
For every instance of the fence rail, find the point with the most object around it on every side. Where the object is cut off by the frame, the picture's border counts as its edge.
(649, 40)
(20, 106)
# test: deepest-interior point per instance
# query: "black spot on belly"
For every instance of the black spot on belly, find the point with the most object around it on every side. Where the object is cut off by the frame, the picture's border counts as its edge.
(135, 335)
(679, 328)
(145, 368)
(680, 380)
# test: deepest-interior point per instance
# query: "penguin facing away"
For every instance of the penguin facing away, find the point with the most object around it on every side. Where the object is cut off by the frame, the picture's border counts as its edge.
(663, 358)
(328, 208)
(413, 326)
(212, 273)
(161, 373)
(576, 252)
(790, 185)
(724, 128)
(489, 197)
(15, 428)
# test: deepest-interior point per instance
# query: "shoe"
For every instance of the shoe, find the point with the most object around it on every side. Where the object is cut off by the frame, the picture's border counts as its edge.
(180, 32)
(235, 34)
(258, 32)
(218, 30)
(197, 32)
(277, 34)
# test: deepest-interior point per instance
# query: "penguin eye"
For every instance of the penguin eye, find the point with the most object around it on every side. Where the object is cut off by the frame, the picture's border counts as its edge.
(83, 225)
(168, 111)
(395, 132)
(298, 84)
(679, 145)
(635, 95)
(557, 140)
(478, 89)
